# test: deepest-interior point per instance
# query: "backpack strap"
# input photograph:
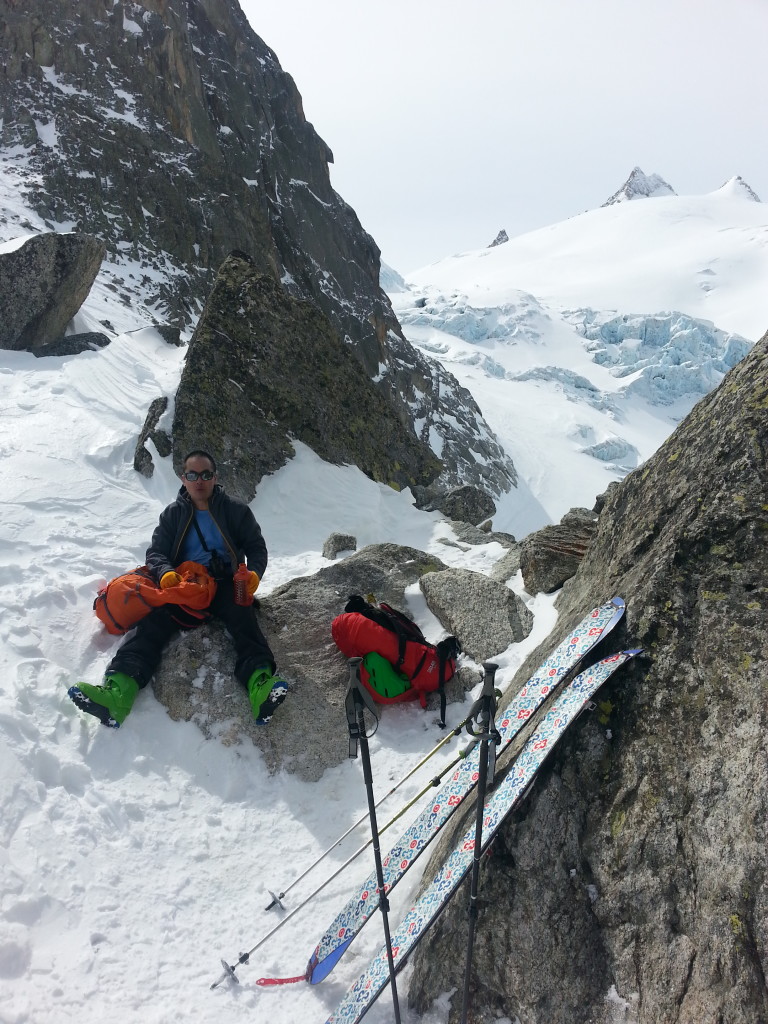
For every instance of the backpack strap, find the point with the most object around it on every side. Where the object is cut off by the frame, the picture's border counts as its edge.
(200, 533)
(101, 601)
(447, 650)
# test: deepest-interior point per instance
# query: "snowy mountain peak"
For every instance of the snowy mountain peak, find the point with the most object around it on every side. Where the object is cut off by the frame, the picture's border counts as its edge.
(500, 239)
(641, 186)
(737, 188)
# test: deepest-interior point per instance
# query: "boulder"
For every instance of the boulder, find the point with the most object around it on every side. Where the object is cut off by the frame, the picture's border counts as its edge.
(43, 284)
(171, 335)
(485, 615)
(552, 555)
(73, 344)
(337, 542)
(471, 535)
(466, 504)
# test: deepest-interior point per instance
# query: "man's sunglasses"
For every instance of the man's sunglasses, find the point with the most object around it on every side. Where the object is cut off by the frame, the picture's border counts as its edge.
(193, 475)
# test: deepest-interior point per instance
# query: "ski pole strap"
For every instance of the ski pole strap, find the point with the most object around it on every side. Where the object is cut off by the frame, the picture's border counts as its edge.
(484, 708)
(357, 698)
(264, 982)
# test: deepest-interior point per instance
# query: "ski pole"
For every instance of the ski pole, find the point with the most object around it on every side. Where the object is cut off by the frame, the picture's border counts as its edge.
(485, 710)
(434, 781)
(229, 971)
(357, 701)
(277, 897)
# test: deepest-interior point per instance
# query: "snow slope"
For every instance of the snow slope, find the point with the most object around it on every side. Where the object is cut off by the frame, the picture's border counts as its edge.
(706, 256)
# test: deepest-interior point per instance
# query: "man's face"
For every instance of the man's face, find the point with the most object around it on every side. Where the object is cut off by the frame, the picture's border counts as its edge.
(199, 490)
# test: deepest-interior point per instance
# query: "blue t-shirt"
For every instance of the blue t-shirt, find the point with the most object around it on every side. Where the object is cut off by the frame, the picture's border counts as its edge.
(193, 550)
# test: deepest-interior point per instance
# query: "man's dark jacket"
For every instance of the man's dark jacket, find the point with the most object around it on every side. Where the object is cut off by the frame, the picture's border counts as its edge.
(238, 526)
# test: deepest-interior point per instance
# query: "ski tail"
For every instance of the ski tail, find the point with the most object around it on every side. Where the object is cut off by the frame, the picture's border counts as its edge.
(565, 659)
(508, 794)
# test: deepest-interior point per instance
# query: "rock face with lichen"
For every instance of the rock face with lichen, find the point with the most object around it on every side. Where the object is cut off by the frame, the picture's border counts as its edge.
(633, 884)
(263, 368)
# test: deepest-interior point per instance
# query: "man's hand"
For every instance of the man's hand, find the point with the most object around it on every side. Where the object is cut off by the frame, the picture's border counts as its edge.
(170, 579)
(253, 582)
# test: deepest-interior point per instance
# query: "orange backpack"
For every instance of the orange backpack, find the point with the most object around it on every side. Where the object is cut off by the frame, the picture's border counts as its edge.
(127, 599)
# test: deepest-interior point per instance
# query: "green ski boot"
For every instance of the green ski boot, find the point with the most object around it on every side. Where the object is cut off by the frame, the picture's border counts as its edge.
(111, 702)
(266, 693)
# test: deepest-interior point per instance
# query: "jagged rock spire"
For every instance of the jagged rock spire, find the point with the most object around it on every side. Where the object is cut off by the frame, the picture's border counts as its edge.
(641, 186)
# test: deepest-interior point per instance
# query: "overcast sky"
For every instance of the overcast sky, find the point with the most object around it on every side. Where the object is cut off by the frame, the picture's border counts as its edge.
(451, 119)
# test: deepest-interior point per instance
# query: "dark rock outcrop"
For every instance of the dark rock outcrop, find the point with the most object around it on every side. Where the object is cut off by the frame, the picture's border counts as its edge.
(43, 283)
(73, 344)
(633, 885)
(195, 680)
(467, 504)
(142, 460)
(552, 555)
(262, 368)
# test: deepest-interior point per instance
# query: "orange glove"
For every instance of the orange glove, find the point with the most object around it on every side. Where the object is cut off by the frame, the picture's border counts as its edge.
(170, 579)
(253, 582)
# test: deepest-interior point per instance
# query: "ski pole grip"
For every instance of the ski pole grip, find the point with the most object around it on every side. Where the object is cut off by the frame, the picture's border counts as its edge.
(490, 668)
(351, 706)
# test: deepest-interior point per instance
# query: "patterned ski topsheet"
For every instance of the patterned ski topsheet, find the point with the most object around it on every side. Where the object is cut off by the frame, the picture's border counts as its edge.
(414, 840)
(498, 805)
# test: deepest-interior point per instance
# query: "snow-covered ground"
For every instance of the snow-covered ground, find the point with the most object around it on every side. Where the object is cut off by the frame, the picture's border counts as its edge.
(133, 860)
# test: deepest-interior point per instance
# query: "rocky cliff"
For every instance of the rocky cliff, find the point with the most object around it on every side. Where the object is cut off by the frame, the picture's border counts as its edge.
(263, 368)
(633, 885)
(168, 130)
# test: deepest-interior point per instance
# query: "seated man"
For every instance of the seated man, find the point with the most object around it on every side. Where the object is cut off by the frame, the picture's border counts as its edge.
(205, 525)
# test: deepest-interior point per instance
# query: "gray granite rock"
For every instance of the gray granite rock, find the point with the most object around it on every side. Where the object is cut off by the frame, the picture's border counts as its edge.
(484, 615)
(337, 542)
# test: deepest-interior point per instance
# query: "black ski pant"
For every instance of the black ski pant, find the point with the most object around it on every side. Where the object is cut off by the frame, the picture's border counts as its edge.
(140, 654)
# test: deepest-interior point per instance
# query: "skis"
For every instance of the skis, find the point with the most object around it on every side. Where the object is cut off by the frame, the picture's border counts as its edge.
(499, 804)
(414, 840)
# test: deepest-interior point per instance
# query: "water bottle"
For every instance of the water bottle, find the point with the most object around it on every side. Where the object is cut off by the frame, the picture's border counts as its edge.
(240, 581)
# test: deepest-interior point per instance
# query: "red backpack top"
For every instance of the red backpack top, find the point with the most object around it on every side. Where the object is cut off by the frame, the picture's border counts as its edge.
(127, 599)
(364, 628)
